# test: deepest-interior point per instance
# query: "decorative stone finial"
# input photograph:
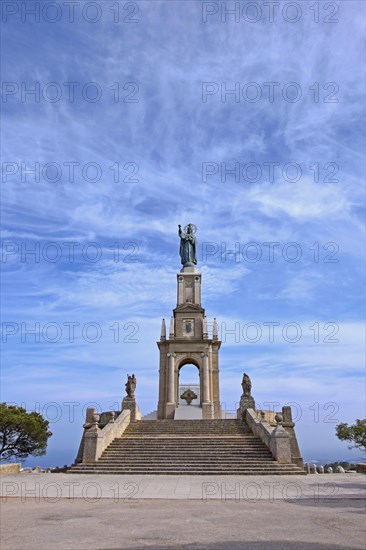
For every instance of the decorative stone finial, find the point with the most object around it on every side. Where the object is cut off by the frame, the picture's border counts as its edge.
(163, 330)
(205, 329)
(214, 330)
(94, 423)
(279, 418)
(171, 328)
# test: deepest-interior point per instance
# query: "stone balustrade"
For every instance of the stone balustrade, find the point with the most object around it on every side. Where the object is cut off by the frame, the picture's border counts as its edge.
(275, 438)
(96, 439)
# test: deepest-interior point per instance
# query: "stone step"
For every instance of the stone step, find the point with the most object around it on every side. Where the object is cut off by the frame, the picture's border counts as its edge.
(187, 471)
(239, 440)
(209, 444)
(179, 454)
(264, 466)
(184, 434)
(188, 429)
(191, 450)
(176, 427)
(190, 462)
(194, 460)
(149, 444)
(191, 426)
(227, 424)
(186, 464)
(179, 471)
(190, 458)
(188, 438)
(194, 439)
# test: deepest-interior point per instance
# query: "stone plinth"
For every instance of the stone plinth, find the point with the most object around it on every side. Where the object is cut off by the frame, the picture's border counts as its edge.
(280, 445)
(189, 343)
(129, 404)
(289, 426)
(246, 402)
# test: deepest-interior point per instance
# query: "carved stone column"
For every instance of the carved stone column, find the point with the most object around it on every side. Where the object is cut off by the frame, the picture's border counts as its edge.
(205, 380)
(170, 404)
(207, 405)
(171, 378)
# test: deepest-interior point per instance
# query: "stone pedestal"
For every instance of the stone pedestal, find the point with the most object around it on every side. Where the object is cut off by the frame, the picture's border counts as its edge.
(289, 426)
(129, 403)
(189, 343)
(246, 402)
(280, 445)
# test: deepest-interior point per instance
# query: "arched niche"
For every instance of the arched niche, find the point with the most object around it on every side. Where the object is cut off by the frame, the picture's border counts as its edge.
(194, 380)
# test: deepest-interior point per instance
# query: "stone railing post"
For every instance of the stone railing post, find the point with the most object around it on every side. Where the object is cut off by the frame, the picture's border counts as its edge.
(289, 426)
(92, 441)
(280, 443)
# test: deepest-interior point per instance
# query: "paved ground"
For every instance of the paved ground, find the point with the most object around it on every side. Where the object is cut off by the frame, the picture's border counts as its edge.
(67, 512)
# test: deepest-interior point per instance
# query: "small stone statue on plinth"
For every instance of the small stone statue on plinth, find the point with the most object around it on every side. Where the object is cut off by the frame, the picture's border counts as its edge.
(129, 402)
(246, 384)
(246, 400)
(130, 385)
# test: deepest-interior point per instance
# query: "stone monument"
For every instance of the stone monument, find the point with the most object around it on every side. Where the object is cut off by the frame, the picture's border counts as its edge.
(142, 449)
(189, 341)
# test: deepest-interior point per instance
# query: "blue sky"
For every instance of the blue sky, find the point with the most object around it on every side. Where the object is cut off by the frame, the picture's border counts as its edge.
(169, 125)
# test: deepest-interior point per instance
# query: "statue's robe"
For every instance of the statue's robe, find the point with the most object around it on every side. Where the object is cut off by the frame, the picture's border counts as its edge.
(188, 248)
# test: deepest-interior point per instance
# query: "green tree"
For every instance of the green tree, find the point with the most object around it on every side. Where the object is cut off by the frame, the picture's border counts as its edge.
(22, 433)
(356, 433)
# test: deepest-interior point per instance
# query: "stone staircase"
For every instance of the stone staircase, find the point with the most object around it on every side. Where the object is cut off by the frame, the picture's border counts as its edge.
(189, 447)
